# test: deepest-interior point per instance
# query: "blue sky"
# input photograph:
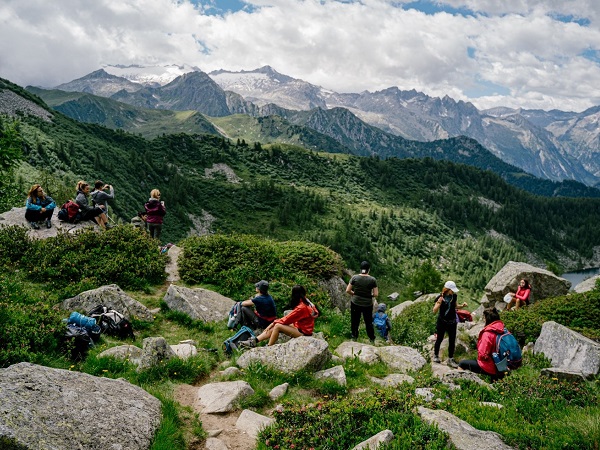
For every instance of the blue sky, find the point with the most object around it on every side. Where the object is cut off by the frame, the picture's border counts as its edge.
(518, 53)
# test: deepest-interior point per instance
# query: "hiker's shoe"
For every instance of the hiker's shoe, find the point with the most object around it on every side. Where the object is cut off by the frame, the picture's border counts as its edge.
(48, 224)
(452, 363)
(108, 226)
(250, 343)
(436, 359)
(34, 225)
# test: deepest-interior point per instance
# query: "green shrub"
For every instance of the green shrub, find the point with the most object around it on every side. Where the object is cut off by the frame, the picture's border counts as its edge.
(232, 263)
(13, 244)
(414, 325)
(343, 423)
(576, 311)
(122, 255)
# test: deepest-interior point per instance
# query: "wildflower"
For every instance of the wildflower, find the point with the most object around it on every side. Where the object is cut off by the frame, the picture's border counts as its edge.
(104, 370)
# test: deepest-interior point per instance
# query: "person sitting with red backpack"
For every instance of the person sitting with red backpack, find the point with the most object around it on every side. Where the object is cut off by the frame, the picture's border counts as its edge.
(486, 345)
(299, 322)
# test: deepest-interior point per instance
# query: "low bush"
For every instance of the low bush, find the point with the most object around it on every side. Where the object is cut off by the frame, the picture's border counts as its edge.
(232, 263)
(122, 255)
(414, 325)
(576, 311)
(13, 244)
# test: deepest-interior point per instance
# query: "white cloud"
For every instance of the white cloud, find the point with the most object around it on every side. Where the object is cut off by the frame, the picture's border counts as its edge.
(518, 47)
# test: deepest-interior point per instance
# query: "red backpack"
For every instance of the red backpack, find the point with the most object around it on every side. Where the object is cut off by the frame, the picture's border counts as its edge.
(69, 212)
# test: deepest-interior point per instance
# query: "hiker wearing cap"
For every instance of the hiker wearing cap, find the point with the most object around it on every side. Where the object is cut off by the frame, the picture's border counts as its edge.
(299, 322)
(99, 197)
(445, 306)
(363, 288)
(259, 311)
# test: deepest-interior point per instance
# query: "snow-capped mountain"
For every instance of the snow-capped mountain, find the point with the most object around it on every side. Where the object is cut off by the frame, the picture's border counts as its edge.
(150, 75)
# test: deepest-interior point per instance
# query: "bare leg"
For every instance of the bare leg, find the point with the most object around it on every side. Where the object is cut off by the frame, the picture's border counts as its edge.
(511, 304)
(518, 304)
(285, 329)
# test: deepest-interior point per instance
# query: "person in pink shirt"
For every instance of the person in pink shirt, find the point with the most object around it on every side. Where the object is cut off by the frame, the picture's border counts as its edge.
(521, 297)
(299, 322)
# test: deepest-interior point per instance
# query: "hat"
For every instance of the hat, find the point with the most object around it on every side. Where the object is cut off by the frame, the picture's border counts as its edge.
(382, 307)
(262, 286)
(451, 285)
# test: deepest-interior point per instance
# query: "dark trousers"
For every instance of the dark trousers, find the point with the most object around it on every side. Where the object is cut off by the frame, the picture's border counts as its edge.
(32, 215)
(249, 319)
(154, 229)
(473, 366)
(367, 313)
(442, 328)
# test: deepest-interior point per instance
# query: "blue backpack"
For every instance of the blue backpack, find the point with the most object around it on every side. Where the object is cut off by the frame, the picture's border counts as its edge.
(380, 322)
(508, 354)
(231, 344)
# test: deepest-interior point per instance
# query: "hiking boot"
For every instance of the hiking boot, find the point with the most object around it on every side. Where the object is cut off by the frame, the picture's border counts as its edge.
(250, 343)
(436, 359)
(48, 224)
(452, 363)
(34, 225)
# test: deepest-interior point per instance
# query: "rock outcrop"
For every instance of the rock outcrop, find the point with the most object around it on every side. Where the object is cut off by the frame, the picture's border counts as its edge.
(216, 398)
(336, 289)
(544, 284)
(111, 296)
(586, 285)
(50, 408)
(569, 350)
(400, 358)
(199, 304)
(300, 353)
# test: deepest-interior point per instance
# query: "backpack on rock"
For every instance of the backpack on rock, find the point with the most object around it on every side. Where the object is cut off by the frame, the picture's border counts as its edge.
(112, 322)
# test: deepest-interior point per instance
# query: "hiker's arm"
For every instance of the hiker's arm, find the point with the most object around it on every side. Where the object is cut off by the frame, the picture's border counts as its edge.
(247, 303)
(437, 305)
(349, 288)
(485, 347)
(375, 291)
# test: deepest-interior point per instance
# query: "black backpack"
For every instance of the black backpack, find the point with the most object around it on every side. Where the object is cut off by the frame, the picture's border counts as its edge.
(77, 342)
(112, 322)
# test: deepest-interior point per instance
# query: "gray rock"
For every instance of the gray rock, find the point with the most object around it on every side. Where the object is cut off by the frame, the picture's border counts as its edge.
(45, 408)
(199, 304)
(451, 375)
(300, 353)
(544, 284)
(251, 423)
(123, 352)
(16, 216)
(397, 310)
(336, 288)
(400, 358)
(568, 349)
(111, 296)
(155, 350)
(586, 285)
(373, 443)
(279, 391)
(428, 394)
(462, 435)
(172, 268)
(184, 351)
(365, 353)
(393, 296)
(427, 297)
(230, 371)
(563, 374)
(393, 380)
(222, 397)
(492, 405)
(336, 373)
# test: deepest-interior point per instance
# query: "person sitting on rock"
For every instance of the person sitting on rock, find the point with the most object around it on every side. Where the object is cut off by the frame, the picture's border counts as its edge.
(521, 297)
(39, 207)
(259, 311)
(299, 322)
(94, 213)
(486, 345)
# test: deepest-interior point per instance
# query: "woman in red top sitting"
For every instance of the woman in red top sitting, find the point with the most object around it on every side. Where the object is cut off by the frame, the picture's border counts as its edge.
(521, 297)
(486, 345)
(299, 322)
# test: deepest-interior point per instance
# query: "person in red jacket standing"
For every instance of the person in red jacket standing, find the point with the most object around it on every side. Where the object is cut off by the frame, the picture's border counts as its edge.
(486, 345)
(521, 297)
(299, 322)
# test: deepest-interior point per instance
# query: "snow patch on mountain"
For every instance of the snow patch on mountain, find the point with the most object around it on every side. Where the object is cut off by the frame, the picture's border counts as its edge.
(150, 75)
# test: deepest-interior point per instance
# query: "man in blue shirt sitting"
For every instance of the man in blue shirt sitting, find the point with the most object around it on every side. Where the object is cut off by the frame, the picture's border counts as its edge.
(260, 310)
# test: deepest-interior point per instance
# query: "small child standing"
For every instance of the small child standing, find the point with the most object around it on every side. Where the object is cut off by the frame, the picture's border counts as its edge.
(382, 322)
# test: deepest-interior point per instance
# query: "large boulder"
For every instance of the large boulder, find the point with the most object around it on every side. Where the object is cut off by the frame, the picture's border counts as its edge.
(400, 358)
(397, 310)
(217, 398)
(586, 285)
(199, 304)
(111, 296)
(155, 350)
(336, 288)
(544, 284)
(300, 353)
(365, 353)
(16, 216)
(568, 349)
(50, 408)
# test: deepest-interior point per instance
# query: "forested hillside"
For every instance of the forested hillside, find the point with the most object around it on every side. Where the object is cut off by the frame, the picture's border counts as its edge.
(397, 213)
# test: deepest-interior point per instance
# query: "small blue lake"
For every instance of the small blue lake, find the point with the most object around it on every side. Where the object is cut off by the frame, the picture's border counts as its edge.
(580, 275)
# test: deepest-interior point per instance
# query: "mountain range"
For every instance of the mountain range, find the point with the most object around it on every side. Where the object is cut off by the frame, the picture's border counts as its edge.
(555, 145)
